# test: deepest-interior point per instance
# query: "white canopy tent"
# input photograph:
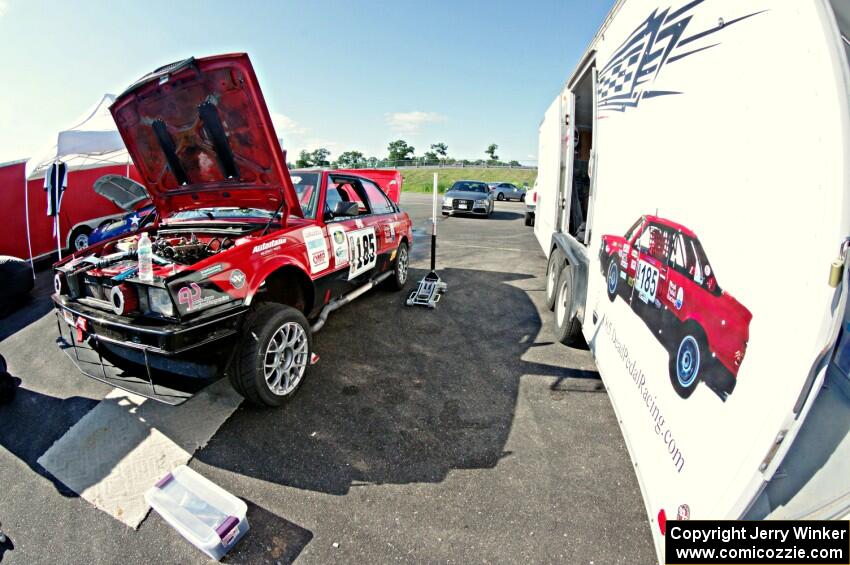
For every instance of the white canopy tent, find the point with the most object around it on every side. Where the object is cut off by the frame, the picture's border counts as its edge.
(93, 141)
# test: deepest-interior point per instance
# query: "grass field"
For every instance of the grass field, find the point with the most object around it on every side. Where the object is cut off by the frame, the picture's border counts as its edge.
(422, 180)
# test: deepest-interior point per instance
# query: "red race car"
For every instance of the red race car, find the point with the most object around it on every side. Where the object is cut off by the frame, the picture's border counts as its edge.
(244, 251)
(661, 269)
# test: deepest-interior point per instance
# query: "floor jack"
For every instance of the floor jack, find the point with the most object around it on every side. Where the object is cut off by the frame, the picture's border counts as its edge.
(431, 287)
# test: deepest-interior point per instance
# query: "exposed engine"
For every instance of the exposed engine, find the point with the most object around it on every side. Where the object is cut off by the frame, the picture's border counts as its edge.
(188, 251)
(102, 281)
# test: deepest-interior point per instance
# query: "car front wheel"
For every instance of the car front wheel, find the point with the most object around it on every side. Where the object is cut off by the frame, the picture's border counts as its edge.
(80, 238)
(273, 354)
(500, 196)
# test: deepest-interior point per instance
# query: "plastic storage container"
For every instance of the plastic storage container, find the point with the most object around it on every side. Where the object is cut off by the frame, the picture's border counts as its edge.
(212, 519)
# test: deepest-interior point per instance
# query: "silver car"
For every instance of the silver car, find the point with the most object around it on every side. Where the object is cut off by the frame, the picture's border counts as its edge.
(507, 191)
(468, 197)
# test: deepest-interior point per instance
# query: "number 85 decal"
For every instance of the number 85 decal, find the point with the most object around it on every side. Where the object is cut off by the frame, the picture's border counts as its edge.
(363, 250)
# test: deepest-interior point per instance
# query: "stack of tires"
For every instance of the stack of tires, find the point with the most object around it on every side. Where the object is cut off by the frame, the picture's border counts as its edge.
(16, 280)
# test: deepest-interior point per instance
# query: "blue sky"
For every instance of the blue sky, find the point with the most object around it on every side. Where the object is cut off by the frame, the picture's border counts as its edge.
(336, 74)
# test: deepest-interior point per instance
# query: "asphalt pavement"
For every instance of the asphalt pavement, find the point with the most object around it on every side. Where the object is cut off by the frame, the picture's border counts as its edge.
(456, 435)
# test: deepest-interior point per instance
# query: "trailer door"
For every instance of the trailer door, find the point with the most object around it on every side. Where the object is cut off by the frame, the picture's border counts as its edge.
(565, 183)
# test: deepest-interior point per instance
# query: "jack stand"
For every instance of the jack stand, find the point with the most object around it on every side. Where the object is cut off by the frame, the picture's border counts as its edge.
(431, 288)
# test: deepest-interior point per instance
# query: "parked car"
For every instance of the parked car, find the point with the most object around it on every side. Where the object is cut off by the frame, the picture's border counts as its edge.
(468, 197)
(245, 254)
(508, 191)
(128, 195)
(530, 205)
(661, 269)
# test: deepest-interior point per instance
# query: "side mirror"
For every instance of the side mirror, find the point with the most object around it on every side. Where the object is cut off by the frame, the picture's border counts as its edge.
(345, 209)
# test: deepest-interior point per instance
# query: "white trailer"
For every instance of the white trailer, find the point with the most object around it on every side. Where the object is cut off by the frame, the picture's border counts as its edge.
(694, 205)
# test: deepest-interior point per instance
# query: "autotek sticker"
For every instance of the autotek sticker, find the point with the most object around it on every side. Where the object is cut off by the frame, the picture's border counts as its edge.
(362, 251)
(339, 243)
(266, 247)
(317, 248)
(209, 271)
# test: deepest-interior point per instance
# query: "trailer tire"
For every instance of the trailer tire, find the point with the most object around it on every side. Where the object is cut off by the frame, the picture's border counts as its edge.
(277, 335)
(401, 268)
(612, 279)
(553, 271)
(529, 219)
(17, 282)
(688, 360)
(567, 327)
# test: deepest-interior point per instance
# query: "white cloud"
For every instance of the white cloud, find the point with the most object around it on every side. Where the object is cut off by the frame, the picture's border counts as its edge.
(410, 122)
(283, 124)
(4, 6)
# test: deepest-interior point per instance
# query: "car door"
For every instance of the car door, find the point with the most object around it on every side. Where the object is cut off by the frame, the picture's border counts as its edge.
(385, 216)
(349, 238)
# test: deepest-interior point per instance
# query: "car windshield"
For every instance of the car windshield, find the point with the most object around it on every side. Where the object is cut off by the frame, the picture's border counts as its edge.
(470, 186)
(307, 188)
(223, 213)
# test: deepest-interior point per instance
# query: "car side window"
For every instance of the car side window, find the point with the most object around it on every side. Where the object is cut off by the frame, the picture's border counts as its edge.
(332, 197)
(655, 241)
(347, 192)
(679, 257)
(378, 201)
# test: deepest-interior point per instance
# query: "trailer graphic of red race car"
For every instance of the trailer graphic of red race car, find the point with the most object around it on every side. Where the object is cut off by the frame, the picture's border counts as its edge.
(660, 268)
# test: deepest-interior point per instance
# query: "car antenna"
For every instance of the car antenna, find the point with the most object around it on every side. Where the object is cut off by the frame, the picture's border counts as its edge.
(269, 223)
(431, 287)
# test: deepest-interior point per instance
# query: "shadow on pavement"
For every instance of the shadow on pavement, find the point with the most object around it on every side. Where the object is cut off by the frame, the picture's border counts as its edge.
(6, 546)
(270, 539)
(32, 422)
(400, 395)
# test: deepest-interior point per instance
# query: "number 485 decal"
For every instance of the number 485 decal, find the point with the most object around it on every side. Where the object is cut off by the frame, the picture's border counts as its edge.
(362, 251)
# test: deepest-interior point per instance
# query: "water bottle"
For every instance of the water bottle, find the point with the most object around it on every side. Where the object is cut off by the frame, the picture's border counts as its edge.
(145, 264)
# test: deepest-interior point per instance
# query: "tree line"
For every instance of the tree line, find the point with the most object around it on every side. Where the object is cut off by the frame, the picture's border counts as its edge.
(397, 151)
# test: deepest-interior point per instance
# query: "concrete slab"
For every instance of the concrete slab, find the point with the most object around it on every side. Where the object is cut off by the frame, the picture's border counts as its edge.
(126, 443)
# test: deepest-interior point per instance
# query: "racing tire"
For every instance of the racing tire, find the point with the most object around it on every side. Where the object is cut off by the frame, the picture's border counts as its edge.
(612, 279)
(567, 327)
(688, 360)
(80, 238)
(500, 196)
(553, 272)
(401, 269)
(17, 282)
(273, 354)
(529, 219)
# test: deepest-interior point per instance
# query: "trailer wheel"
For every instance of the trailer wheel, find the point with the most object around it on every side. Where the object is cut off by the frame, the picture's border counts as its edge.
(567, 327)
(612, 279)
(273, 354)
(529, 219)
(553, 271)
(688, 361)
(401, 266)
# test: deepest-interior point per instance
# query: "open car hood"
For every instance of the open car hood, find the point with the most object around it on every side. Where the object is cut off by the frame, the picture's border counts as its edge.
(122, 191)
(200, 135)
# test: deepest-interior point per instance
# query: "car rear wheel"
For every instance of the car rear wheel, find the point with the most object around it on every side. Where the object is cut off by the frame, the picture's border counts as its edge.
(500, 196)
(612, 279)
(567, 326)
(80, 238)
(553, 271)
(273, 354)
(688, 362)
(401, 266)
